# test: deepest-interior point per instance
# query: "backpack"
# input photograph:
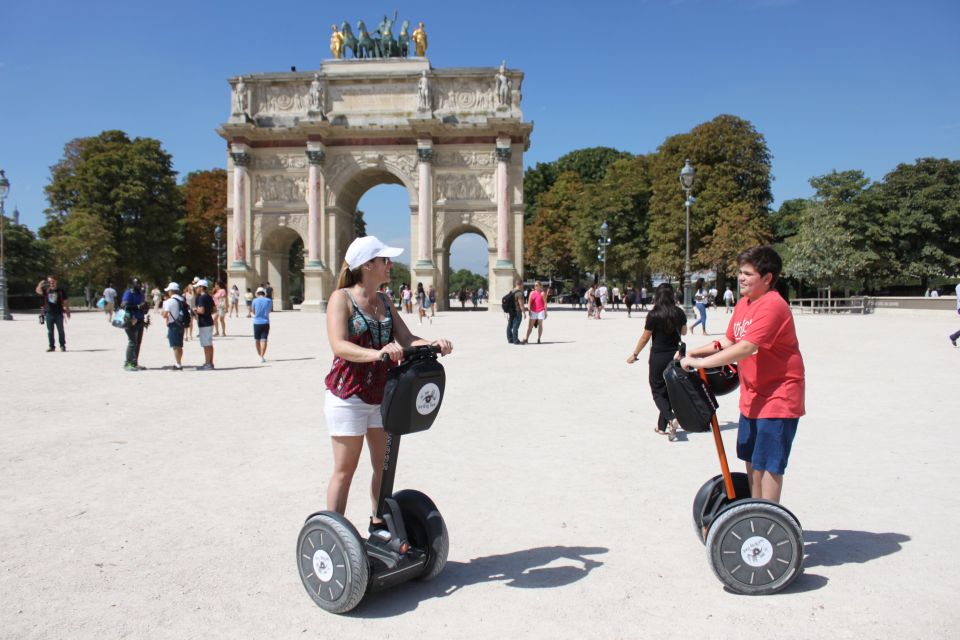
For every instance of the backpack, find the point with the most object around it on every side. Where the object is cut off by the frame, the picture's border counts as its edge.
(508, 302)
(183, 314)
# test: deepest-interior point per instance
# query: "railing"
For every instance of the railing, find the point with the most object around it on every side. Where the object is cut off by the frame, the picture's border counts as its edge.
(854, 304)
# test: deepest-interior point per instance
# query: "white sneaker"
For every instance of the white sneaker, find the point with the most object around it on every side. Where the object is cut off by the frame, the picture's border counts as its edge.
(262, 359)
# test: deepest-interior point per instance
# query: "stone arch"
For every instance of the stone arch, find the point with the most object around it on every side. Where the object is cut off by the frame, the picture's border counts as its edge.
(445, 242)
(271, 257)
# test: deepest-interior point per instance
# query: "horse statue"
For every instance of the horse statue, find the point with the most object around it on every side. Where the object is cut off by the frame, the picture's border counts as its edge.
(349, 40)
(403, 40)
(367, 47)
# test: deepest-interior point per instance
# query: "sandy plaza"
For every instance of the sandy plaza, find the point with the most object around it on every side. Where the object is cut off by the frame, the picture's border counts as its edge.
(163, 504)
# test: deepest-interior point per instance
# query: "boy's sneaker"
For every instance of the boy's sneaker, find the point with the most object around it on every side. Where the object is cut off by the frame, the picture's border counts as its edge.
(64, 348)
(178, 367)
(130, 367)
(207, 367)
(51, 349)
(953, 341)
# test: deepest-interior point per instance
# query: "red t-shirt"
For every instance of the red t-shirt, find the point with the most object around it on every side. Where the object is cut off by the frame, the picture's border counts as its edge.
(771, 380)
(536, 301)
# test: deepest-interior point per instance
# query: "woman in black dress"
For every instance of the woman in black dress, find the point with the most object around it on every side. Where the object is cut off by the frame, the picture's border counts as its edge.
(665, 323)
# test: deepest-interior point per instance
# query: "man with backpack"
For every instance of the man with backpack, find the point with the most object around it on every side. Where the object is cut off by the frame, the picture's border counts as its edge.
(513, 305)
(176, 312)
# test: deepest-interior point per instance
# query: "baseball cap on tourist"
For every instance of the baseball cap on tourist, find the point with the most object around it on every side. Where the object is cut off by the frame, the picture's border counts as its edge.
(173, 286)
(367, 248)
(202, 283)
(261, 290)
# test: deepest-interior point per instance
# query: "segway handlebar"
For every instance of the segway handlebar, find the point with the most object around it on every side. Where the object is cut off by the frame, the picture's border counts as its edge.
(419, 350)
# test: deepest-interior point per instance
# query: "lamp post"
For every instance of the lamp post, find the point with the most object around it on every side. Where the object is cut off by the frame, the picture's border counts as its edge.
(687, 175)
(4, 189)
(218, 236)
(602, 245)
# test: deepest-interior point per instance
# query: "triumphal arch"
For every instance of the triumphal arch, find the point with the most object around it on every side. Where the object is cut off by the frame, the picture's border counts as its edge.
(304, 146)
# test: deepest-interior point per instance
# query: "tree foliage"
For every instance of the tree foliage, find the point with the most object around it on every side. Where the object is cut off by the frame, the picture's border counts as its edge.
(26, 259)
(465, 279)
(83, 249)
(733, 168)
(821, 252)
(130, 187)
(548, 242)
(205, 208)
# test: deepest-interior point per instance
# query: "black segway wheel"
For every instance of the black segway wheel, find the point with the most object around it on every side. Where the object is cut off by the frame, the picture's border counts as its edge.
(333, 565)
(755, 547)
(712, 497)
(426, 530)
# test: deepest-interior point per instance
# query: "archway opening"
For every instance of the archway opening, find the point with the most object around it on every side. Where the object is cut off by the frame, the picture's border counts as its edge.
(384, 211)
(467, 272)
(281, 265)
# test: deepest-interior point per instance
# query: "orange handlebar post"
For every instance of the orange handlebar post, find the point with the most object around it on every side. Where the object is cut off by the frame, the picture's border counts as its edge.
(721, 452)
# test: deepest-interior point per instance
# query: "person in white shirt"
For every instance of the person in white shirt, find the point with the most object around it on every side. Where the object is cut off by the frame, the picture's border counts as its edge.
(110, 300)
(728, 300)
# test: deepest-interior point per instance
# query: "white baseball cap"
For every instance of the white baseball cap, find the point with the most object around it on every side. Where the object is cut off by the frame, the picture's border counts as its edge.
(365, 249)
(173, 286)
(202, 283)
(261, 290)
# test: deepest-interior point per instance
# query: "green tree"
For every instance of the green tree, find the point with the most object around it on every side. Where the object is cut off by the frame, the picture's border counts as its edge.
(130, 186)
(738, 226)
(466, 279)
(591, 163)
(733, 168)
(359, 224)
(205, 208)
(82, 250)
(399, 275)
(26, 260)
(786, 221)
(821, 252)
(919, 206)
(548, 242)
(536, 181)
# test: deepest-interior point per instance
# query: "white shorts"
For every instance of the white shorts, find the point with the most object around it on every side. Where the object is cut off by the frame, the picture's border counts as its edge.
(538, 315)
(205, 334)
(350, 417)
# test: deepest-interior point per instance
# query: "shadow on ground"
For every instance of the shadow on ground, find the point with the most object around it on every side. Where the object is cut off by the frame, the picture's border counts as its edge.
(842, 546)
(526, 569)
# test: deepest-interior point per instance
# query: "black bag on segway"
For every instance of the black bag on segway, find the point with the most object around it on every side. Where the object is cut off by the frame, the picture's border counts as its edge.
(692, 400)
(412, 396)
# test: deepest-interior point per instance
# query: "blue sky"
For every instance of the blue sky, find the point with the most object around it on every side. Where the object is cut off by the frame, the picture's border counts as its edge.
(831, 85)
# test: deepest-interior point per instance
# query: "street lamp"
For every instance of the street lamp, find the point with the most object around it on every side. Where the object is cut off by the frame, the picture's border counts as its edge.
(218, 236)
(602, 245)
(4, 189)
(687, 175)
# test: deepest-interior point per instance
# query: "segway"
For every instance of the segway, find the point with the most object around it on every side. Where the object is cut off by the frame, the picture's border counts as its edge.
(337, 566)
(754, 546)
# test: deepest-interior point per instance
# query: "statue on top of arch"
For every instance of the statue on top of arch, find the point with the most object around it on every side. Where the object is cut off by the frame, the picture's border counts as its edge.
(379, 43)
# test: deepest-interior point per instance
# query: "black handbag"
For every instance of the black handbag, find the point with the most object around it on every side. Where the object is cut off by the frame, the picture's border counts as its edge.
(692, 401)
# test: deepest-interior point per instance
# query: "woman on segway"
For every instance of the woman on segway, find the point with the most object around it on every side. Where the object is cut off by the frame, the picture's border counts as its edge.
(362, 327)
(762, 338)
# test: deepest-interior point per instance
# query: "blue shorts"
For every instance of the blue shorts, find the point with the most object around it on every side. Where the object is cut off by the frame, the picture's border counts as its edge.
(175, 335)
(260, 332)
(765, 442)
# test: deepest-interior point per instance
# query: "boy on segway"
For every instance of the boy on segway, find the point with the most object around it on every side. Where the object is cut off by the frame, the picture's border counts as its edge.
(762, 338)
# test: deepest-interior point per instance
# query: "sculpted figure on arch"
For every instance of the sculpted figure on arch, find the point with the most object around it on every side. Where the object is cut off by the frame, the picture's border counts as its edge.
(420, 40)
(336, 43)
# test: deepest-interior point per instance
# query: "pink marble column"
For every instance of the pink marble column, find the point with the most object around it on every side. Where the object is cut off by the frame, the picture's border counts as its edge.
(241, 160)
(504, 153)
(425, 202)
(315, 203)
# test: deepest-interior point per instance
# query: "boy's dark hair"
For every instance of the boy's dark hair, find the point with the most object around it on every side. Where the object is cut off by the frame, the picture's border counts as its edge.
(764, 259)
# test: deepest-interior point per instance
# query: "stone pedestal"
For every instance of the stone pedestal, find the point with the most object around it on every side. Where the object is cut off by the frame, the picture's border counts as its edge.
(317, 287)
(503, 277)
(242, 276)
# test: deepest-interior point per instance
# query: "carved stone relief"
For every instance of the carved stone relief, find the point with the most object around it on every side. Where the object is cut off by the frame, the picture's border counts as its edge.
(280, 162)
(463, 159)
(280, 99)
(463, 96)
(458, 186)
(279, 189)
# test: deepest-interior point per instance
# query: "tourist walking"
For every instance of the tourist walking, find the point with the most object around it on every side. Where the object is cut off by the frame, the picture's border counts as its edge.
(220, 300)
(728, 300)
(54, 306)
(664, 326)
(362, 327)
(630, 299)
(190, 296)
(762, 338)
(955, 336)
(405, 294)
(422, 302)
(591, 297)
(432, 298)
(538, 312)
(700, 302)
(462, 296)
(262, 306)
(643, 298)
(176, 314)
(134, 302)
(234, 302)
(156, 295)
(206, 312)
(516, 310)
(109, 300)
(248, 300)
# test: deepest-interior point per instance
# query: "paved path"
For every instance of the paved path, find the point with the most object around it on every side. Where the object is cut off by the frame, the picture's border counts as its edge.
(164, 504)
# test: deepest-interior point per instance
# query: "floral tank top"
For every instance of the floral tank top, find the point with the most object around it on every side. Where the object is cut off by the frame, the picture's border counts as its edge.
(362, 379)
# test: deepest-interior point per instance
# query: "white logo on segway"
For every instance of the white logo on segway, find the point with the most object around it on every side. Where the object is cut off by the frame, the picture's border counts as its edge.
(322, 565)
(428, 398)
(756, 551)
